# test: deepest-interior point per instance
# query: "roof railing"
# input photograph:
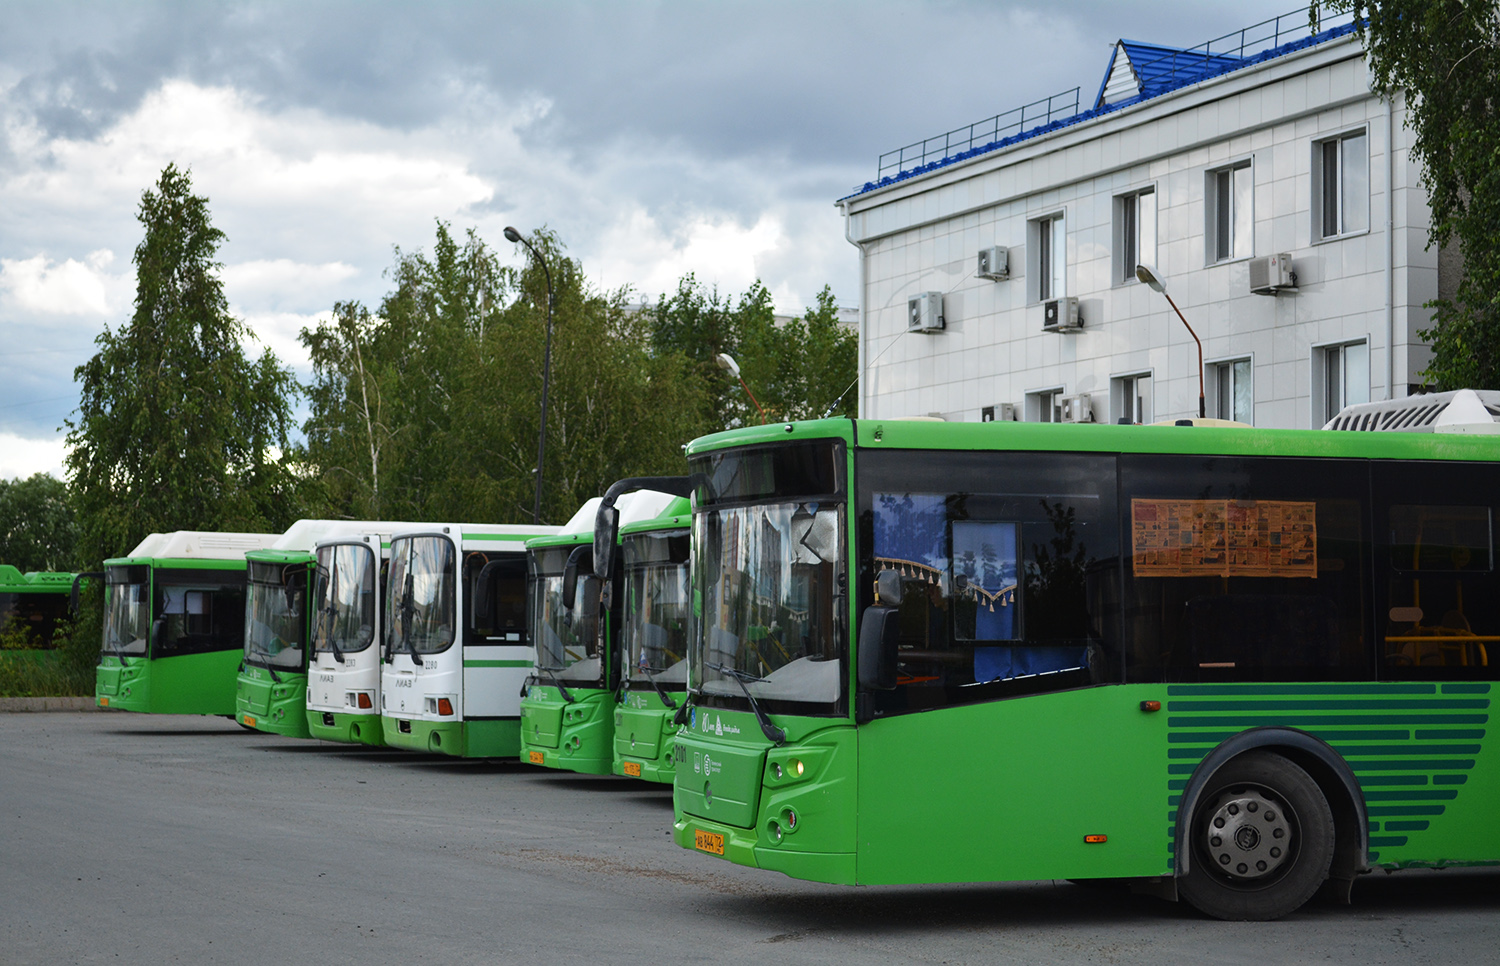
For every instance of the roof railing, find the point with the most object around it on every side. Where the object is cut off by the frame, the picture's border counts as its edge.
(1036, 114)
(1236, 49)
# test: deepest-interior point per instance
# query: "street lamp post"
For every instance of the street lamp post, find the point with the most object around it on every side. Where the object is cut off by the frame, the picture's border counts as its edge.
(514, 236)
(1148, 275)
(727, 363)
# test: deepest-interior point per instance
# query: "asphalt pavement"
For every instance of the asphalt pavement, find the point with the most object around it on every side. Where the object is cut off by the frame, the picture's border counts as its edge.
(138, 839)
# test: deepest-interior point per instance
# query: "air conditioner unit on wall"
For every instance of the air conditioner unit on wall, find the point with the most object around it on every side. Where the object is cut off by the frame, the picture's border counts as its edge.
(924, 312)
(1076, 409)
(1061, 315)
(1004, 412)
(1271, 274)
(993, 263)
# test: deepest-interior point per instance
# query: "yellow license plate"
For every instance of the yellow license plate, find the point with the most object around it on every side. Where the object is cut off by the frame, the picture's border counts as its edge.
(103, 702)
(249, 721)
(708, 841)
(633, 769)
(536, 757)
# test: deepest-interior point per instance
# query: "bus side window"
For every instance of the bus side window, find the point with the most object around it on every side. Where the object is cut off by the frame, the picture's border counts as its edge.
(1441, 617)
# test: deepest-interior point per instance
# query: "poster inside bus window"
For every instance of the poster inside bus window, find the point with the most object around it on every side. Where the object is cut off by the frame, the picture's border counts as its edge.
(1223, 538)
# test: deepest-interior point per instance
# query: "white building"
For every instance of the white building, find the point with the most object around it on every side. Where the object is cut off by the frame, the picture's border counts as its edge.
(1203, 163)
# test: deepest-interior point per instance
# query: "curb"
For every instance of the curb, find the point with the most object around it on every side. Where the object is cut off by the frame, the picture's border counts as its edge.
(47, 704)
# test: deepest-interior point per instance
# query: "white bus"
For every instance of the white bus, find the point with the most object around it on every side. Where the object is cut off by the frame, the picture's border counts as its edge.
(343, 680)
(456, 647)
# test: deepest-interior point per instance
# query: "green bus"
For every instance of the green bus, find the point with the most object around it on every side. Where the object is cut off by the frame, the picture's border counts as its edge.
(31, 605)
(174, 623)
(273, 689)
(653, 642)
(568, 704)
(1233, 665)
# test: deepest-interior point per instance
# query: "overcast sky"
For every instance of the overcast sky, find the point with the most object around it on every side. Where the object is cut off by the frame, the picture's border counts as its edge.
(656, 138)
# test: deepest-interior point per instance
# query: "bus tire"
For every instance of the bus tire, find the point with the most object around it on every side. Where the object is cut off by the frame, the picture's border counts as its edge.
(1261, 840)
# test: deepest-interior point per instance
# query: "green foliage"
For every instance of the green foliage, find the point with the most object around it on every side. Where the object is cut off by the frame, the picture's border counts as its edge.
(429, 409)
(176, 428)
(68, 668)
(796, 368)
(1444, 56)
(37, 527)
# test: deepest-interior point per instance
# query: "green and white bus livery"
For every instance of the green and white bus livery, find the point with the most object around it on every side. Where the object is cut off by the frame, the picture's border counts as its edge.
(174, 623)
(1234, 665)
(569, 704)
(456, 650)
(344, 656)
(274, 685)
(653, 642)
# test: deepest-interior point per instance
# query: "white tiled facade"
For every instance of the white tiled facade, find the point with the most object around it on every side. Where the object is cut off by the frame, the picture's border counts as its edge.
(1366, 286)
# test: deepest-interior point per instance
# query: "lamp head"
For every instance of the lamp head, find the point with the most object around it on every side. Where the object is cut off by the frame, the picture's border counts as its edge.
(727, 363)
(1147, 274)
(511, 235)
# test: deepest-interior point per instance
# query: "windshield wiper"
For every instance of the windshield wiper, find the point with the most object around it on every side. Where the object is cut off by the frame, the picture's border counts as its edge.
(666, 698)
(556, 681)
(776, 735)
(408, 609)
(119, 650)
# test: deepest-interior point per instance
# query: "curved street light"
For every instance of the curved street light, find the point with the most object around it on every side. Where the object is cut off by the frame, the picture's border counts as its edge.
(1148, 275)
(727, 363)
(513, 236)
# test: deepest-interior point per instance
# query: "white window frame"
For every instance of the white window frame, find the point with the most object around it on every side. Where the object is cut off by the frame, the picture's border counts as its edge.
(1353, 374)
(1135, 232)
(1047, 256)
(1127, 402)
(1048, 402)
(1240, 233)
(1350, 207)
(1214, 385)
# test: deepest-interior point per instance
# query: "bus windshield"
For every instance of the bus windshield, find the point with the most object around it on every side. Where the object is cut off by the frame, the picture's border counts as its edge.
(656, 609)
(344, 596)
(420, 603)
(567, 645)
(127, 611)
(276, 615)
(768, 582)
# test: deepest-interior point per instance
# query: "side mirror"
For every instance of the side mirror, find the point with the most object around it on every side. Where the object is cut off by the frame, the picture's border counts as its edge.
(158, 633)
(606, 532)
(570, 576)
(586, 622)
(878, 631)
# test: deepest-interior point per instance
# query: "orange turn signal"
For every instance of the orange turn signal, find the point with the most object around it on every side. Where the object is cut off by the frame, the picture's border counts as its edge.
(1150, 705)
(1095, 839)
(364, 700)
(445, 706)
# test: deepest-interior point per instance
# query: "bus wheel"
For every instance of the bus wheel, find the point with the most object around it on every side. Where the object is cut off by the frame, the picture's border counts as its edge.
(1261, 840)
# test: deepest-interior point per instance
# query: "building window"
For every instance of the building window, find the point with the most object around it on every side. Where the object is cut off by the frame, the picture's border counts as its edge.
(1341, 178)
(1232, 390)
(1047, 264)
(1229, 195)
(1341, 377)
(1044, 406)
(1135, 232)
(1130, 398)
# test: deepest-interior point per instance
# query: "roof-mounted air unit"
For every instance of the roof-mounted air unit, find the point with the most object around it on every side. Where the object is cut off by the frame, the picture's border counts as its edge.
(924, 312)
(993, 263)
(1271, 274)
(1004, 412)
(1061, 315)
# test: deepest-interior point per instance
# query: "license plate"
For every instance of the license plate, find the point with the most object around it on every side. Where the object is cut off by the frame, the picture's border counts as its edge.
(536, 757)
(103, 702)
(708, 841)
(633, 769)
(249, 721)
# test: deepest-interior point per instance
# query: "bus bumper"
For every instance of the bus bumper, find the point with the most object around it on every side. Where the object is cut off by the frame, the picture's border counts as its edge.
(745, 847)
(349, 729)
